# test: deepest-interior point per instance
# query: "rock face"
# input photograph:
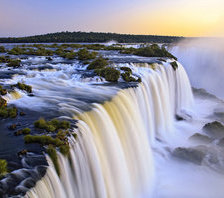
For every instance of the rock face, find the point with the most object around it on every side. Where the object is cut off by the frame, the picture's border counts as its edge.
(193, 154)
(214, 129)
(199, 138)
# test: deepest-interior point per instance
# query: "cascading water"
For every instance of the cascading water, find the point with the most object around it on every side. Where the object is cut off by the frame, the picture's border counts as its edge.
(112, 154)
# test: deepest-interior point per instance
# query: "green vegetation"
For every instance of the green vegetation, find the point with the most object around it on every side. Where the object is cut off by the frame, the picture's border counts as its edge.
(98, 63)
(24, 131)
(3, 168)
(150, 51)
(6, 112)
(3, 91)
(62, 37)
(4, 59)
(13, 62)
(2, 49)
(109, 73)
(64, 149)
(126, 69)
(174, 65)
(51, 151)
(84, 54)
(52, 125)
(127, 77)
(43, 139)
(24, 87)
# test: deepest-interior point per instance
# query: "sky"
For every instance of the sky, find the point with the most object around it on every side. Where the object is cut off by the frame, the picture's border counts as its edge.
(157, 17)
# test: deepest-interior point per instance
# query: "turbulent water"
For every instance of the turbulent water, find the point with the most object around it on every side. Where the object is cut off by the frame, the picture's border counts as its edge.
(113, 154)
(126, 133)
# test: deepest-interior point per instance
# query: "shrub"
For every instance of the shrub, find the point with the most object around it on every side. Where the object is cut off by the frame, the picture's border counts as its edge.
(109, 73)
(174, 65)
(24, 87)
(14, 63)
(12, 112)
(52, 125)
(3, 167)
(2, 49)
(3, 102)
(70, 55)
(99, 63)
(51, 151)
(84, 54)
(17, 51)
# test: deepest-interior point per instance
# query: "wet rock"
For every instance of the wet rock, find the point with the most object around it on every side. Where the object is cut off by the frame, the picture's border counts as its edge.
(179, 118)
(199, 138)
(22, 113)
(22, 152)
(194, 154)
(12, 127)
(214, 129)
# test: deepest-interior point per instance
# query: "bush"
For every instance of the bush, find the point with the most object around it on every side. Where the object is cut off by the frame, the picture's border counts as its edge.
(53, 155)
(52, 125)
(109, 73)
(70, 55)
(2, 49)
(84, 54)
(43, 139)
(17, 51)
(3, 167)
(174, 65)
(99, 63)
(14, 63)
(24, 87)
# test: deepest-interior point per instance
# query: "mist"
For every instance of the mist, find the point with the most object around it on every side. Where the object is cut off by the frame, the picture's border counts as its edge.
(203, 60)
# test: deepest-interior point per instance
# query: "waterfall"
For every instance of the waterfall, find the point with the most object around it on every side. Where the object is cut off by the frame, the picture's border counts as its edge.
(112, 154)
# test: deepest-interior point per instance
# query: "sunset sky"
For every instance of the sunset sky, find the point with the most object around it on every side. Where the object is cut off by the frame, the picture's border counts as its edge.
(159, 17)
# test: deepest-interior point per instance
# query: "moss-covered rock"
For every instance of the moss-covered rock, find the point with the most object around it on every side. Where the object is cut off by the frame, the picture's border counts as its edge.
(214, 129)
(24, 131)
(24, 87)
(64, 149)
(2, 49)
(174, 65)
(3, 91)
(126, 69)
(14, 63)
(51, 151)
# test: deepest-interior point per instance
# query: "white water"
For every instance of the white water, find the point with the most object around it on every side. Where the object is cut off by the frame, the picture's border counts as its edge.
(204, 62)
(112, 156)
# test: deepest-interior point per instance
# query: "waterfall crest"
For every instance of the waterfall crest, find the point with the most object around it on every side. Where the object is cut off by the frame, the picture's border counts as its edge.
(112, 155)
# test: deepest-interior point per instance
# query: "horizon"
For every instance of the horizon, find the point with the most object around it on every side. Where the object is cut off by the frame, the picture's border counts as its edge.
(203, 18)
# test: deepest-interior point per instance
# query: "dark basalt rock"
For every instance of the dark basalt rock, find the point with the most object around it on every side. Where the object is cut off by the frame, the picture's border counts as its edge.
(199, 138)
(178, 117)
(214, 129)
(194, 155)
